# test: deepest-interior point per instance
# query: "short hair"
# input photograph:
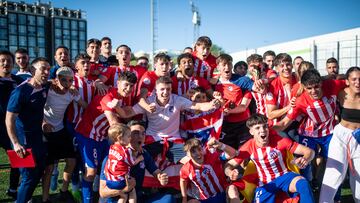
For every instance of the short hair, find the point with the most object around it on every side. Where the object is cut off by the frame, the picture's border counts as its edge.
(39, 59)
(350, 70)
(192, 143)
(7, 53)
(123, 45)
(117, 130)
(332, 60)
(61, 47)
(256, 119)
(184, 55)
(187, 48)
(298, 57)
(281, 58)
(64, 72)
(21, 51)
(105, 38)
(136, 122)
(142, 57)
(93, 41)
(112, 60)
(224, 58)
(241, 63)
(310, 77)
(269, 53)
(204, 40)
(82, 56)
(199, 89)
(254, 57)
(161, 56)
(164, 80)
(128, 76)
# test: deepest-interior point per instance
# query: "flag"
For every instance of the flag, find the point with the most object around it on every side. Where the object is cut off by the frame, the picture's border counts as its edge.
(204, 127)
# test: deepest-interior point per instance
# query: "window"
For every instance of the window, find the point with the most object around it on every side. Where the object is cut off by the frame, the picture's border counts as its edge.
(32, 52)
(40, 31)
(42, 52)
(3, 44)
(13, 40)
(12, 29)
(58, 33)
(57, 23)
(82, 36)
(66, 34)
(40, 21)
(66, 24)
(22, 19)
(74, 25)
(3, 22)
(74, 44)
(82, 45)
(66, 42)
(3, 34)
(58, 42)
(12, 18)
(22, 41)
(74, 34)
(41, 41)
(13, 48)
(31, 31)
(82, 25)
(22, 29)
(31, 20)
(32, 42)
(74, 52)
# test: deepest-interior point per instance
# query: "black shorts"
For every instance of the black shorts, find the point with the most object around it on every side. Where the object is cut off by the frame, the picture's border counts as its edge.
(175, 152)
(235, 134)
(60, 146)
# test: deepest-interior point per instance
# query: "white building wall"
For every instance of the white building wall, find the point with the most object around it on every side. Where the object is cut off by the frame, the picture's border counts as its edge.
(343, 45)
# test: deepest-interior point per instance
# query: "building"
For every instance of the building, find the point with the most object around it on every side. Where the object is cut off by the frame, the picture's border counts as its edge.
(40, 28)
(343, 45)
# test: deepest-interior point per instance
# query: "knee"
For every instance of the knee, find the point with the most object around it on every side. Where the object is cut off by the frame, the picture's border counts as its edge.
(90, 174)
(301, 185)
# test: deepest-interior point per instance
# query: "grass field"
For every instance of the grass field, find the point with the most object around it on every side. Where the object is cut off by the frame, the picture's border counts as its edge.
(4, 182)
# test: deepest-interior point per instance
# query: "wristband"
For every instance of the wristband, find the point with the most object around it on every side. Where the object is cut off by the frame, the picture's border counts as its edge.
(222, 147)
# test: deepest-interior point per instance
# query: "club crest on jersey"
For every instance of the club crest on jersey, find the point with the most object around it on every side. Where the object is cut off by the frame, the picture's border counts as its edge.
(273, 154)
(230, 88)
(269, 96)
(206, 171)
(171, 109)
(194, 84)
(146, 81)
(204, 67)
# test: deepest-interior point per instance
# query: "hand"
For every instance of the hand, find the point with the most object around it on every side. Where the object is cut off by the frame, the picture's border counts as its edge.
(20, 150)
(101, 88)
(217, 95)
(184, 200)
(300, 162)
(293, 102)
(140, 158)
(130, 184)
(259, 85)
(151, 108)
(163, 178)
(47, 128)
(215, 103)
(113, 103)
(73, 91)
(234, 174)
(180, 76)
(214, 143)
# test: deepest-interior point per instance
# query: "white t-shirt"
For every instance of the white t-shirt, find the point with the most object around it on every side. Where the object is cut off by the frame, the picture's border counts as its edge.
(55, 107)
(165, 121)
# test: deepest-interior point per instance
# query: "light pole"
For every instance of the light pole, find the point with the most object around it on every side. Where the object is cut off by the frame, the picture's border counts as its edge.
(196, 20)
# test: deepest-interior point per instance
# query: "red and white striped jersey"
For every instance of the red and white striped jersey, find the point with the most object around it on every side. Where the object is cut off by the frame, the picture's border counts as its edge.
(113, 75)
(319, 114)
(260, 102)
(279, 94)
(119, 162)
(148, 81)
(181, 87)
(87, 92)
(94, 124)
(204, 68)
(209, 178)
(270, 161)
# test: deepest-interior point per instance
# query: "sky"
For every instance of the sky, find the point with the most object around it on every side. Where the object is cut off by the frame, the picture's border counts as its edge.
(234, 25)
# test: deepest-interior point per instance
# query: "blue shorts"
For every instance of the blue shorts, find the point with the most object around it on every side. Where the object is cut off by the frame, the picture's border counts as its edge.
(116, 185)
(267, 193)
(92, 152)
(312, 143)
(219, 197)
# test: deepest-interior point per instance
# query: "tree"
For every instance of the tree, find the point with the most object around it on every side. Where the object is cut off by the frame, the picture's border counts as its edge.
(216, 50)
